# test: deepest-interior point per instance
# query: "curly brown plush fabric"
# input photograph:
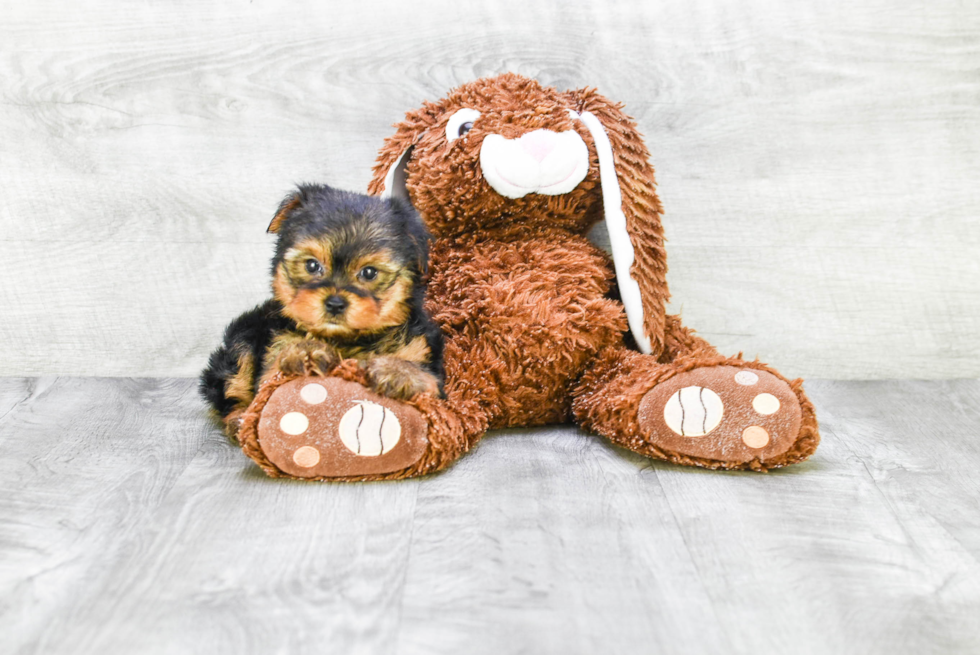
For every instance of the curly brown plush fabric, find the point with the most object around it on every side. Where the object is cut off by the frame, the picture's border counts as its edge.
(535, 333)
(523, 298)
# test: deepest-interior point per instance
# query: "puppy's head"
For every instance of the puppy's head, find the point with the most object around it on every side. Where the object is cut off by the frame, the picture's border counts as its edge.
(346, 264)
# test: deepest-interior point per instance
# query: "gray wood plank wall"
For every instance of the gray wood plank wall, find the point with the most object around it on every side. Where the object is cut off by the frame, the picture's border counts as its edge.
(819, 161)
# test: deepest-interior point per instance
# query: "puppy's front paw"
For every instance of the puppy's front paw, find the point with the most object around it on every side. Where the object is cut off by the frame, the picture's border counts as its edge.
(398, 379)
(307, 357)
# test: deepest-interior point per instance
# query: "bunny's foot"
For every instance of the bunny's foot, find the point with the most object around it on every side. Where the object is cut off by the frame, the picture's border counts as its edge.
(722, 413)
(336, 428)
(715, 412)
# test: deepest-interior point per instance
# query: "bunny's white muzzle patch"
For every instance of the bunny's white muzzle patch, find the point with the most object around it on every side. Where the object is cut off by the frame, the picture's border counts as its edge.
(542, 161)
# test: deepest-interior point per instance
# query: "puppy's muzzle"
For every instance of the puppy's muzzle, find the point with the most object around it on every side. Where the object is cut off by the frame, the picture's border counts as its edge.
(335, 305)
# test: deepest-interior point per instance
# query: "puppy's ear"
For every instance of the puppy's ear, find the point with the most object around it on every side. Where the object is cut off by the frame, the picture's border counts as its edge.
(632, 212)
(389, 173)
(289, 204)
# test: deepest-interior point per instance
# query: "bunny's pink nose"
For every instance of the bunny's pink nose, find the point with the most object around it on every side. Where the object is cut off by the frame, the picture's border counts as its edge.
(539, 143)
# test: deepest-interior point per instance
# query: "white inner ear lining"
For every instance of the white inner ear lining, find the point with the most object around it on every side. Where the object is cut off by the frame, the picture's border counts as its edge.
(394, 182)
(619, 238)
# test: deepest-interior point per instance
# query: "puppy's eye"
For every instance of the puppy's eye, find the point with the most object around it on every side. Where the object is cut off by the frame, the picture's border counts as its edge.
(460, 123)
(313, 267)
(368, 273)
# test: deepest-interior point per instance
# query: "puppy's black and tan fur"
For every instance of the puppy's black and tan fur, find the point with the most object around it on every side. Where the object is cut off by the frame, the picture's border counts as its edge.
(347, 283)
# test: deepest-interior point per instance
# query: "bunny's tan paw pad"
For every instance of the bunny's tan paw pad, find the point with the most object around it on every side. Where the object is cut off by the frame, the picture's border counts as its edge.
(722, 413)
(316, 427)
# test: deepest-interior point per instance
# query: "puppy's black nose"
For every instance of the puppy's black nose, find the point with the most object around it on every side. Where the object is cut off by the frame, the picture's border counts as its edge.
(335, 305)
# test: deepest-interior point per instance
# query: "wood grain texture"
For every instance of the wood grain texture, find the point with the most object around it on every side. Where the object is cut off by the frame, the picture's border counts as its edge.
(818, 162)
(123, 508)
(129, 525)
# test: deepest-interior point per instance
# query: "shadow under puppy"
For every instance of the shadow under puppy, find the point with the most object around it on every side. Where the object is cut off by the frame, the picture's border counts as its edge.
(347, 282)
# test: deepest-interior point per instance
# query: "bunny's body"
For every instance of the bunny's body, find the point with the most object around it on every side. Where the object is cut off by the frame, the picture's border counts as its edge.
(527, 315)
(541, 326)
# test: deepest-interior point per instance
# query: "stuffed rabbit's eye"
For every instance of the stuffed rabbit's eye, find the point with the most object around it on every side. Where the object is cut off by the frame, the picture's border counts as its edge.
(313, 267)
(460, 123)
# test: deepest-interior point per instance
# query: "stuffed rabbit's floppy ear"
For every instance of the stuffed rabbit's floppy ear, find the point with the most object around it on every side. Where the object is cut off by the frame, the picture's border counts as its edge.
(632, 212)
(389, 173)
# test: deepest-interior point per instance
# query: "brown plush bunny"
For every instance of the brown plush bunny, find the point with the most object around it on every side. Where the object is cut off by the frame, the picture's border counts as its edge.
(509, 177)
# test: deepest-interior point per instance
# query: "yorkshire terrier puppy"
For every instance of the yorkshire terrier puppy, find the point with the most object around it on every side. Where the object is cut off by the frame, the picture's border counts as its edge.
(346, 283)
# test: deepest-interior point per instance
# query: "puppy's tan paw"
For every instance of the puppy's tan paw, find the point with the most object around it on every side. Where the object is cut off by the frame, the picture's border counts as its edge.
(308, 357)
(232, 423)
(398, 379)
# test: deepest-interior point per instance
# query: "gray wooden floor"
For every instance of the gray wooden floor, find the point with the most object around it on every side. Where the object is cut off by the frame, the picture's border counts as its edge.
(129, 525)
